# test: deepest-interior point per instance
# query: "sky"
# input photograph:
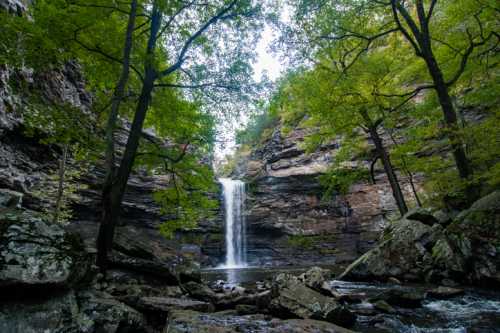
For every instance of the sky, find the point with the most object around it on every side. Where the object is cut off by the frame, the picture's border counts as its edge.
(266, 62)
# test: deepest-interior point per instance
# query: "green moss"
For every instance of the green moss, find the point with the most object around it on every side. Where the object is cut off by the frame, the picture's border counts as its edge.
(312, 242)
(192, 238)
(327, 251)
(298, 241)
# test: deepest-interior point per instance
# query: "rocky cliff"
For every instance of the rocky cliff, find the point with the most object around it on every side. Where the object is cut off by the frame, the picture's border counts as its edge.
(289, 222)
(26, 164)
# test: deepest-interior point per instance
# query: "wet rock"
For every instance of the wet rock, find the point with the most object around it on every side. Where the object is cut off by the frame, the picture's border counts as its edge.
(318, 279)
(449, 283)
(35, 254)
(10, 199)
(84, 311)
(244, 309)
(393, 280)
(404, 253)
(292, 298)
(422, 215)
(195, 322)
(442, 292)
(99, 312)
(383, 306)
(165, 304)
(200, 291)
(59, 313)
(402, 298)
(474, 238)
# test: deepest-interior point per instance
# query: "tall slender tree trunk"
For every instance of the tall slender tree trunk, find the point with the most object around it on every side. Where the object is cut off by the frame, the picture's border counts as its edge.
(113, 199)
(107, 200)
(389, 170)
(60, 187)
(423, 47)
(386, 162)
(451, 120)
(450, 117)
(407, 171)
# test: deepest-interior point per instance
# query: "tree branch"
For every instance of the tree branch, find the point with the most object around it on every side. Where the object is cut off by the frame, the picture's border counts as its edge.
(189, 42)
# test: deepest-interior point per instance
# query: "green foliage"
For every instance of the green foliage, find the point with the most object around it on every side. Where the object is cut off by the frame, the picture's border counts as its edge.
(46, 190)
(340, 180)
(300, 242)
(183, 120)
(353, 82)
(259, 128)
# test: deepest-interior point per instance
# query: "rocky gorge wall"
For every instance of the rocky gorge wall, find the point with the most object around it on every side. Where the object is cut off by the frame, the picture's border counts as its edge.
(290, 224)
(26, 164)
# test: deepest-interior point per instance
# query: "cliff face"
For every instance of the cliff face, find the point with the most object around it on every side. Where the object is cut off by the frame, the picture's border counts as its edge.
(288, 221)
(25, 164)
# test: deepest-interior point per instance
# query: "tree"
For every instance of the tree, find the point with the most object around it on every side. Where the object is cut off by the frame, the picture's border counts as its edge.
(151, 62)
(177, 45)
(427, 26)
(340, 104)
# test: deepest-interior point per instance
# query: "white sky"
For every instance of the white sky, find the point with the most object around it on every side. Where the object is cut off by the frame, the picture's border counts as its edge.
(266, 62)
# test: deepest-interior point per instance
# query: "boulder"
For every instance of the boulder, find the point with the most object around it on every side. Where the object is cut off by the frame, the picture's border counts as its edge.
(165, 304)
(70, 312)
(291, 298)
(244, 309)
(469, 252)
(403, 254)
(402, 298)
(317, 278)
(383, 306)
(443, 292)
(10, 199)
(422, 215)
(36, 255)
(99, 312)
(196, 322)
(59, 313)
(200, 291)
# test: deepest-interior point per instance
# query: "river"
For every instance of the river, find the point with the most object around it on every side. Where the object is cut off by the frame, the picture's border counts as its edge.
(475, 311)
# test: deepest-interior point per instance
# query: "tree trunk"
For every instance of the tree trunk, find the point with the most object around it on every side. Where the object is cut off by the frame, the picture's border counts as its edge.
(113, 196)
(389, 170)
(107, 201)
(60, 188)
(407, 170)
(450, 116)
(423, 47)
(112, 199)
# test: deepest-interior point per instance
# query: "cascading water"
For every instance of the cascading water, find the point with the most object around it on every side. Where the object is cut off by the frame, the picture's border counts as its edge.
(234, 200)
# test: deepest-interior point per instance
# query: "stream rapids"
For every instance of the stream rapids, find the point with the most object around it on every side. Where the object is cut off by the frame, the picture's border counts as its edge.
(475, 311)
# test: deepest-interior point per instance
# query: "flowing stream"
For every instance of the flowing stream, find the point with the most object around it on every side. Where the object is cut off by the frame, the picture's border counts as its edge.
(234, 203)
(476, 311)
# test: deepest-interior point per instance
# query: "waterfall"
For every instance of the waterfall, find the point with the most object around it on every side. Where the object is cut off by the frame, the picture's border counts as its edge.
(234, 200)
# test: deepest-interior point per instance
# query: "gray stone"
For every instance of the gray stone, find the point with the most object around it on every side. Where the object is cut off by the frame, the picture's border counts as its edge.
(196, 322)
(38, 254)
(165, 304)
(422, 215)
(443, 292)
(292, 298)
(383, 306)
(402, 298)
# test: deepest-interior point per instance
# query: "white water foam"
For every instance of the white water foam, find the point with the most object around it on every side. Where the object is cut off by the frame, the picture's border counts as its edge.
(234, 204)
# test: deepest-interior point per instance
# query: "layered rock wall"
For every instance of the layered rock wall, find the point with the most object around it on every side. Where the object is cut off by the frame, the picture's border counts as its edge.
(289, 221)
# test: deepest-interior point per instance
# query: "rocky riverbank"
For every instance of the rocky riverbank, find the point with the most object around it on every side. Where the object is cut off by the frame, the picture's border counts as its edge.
(438, 247)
